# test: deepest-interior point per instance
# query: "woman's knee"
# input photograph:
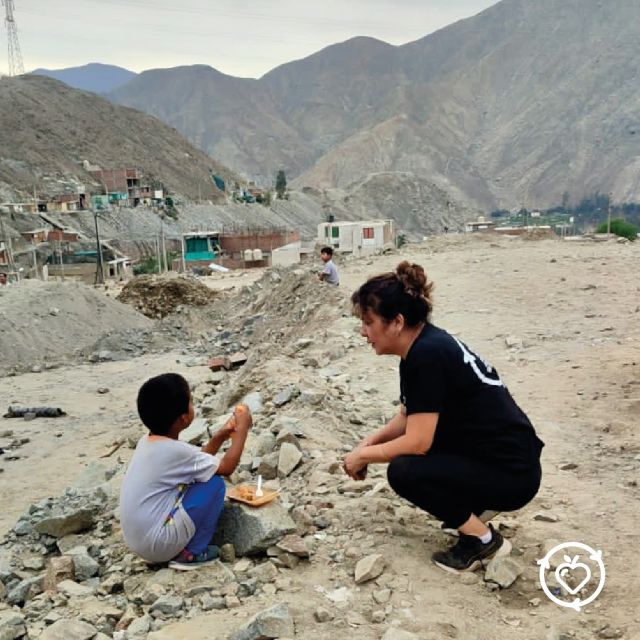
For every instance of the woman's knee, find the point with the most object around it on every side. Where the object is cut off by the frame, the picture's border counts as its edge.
(398, 474)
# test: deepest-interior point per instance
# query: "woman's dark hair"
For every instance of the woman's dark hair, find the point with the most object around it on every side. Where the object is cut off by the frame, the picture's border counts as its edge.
(162, 400)
(404, 291)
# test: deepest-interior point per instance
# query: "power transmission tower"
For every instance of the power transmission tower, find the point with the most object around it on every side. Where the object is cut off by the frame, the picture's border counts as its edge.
(16, 66)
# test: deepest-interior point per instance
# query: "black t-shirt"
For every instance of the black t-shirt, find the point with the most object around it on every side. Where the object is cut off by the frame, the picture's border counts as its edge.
(478, 417)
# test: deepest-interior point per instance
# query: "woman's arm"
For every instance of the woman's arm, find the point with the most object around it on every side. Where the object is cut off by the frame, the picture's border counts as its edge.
(393, 429)
(416, 440)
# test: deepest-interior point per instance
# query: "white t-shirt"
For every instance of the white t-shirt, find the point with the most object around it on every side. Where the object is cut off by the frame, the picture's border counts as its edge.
(331, 273)
(154, 524)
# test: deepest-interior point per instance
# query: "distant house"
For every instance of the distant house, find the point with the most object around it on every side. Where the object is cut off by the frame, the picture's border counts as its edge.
(57, 235)
(66, 202)
(200, 247)
(125, 186)
(238, 250)
(359, 237)
(20, 207)
(479, 225)
(36, 236)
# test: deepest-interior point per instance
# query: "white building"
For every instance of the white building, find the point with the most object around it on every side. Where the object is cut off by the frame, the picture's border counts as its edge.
(479, 225)
(360, 236)
(287, 255)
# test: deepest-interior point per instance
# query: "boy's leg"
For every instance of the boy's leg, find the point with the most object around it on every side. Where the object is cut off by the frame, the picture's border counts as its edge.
(203, 501)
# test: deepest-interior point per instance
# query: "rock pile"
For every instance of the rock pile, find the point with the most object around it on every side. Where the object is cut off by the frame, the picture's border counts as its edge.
(158, 296)
(66, 573)
(45, 323)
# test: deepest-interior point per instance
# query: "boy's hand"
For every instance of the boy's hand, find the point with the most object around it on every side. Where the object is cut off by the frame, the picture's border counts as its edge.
(243, 419)
(228, 428)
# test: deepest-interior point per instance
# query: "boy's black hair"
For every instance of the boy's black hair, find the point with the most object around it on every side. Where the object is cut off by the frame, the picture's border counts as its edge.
(162, 400)
(328, 250)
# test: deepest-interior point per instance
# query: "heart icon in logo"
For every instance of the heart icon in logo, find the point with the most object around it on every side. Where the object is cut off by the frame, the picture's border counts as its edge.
(569, 566)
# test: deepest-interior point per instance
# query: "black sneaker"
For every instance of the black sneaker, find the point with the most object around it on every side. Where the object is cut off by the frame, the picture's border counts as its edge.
(485, 516)
(469, 553)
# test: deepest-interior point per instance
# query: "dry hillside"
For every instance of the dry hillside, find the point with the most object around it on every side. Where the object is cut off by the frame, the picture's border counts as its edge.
(516, 105)
(48, 129)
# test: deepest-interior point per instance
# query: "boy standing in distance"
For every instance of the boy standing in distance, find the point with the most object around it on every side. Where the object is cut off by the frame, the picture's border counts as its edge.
(329, 273)
(172, 494)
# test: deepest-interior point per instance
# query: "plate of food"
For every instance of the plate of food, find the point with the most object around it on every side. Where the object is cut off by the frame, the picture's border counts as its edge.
(247, 494)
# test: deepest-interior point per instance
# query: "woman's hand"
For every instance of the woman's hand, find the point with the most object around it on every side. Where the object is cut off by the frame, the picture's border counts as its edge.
(366, 442)
(353, 465)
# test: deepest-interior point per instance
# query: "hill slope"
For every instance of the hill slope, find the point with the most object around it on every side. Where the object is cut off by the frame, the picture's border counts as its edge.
(48, 129)
(513, 106)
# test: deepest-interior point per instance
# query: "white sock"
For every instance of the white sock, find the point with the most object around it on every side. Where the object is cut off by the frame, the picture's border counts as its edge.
(486, 537)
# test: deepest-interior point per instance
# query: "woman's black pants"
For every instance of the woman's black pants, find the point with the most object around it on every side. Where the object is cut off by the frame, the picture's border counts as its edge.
(451, 487)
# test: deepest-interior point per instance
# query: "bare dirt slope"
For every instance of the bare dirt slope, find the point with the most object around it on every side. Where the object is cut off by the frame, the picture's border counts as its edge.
(560, 323)
(47, 130)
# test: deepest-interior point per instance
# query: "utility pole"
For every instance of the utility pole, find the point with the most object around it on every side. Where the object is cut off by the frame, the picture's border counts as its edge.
(7, 245)
(99, 266)
(158, 255)
(16, 66)
(163, 247)
(61, 262)
(35, 261)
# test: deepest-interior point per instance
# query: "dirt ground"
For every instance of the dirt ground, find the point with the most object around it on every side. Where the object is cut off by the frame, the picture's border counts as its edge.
(561, 323)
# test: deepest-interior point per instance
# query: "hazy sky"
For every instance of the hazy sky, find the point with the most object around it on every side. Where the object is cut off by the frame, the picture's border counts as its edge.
(238, 37)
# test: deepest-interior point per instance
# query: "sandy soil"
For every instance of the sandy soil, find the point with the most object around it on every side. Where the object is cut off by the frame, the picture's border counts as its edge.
(570, 312)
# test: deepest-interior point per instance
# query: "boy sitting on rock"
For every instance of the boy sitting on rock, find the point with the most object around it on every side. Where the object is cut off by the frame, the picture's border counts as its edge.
(172, 494)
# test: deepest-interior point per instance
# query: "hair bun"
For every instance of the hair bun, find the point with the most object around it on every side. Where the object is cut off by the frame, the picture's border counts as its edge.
(414, 279)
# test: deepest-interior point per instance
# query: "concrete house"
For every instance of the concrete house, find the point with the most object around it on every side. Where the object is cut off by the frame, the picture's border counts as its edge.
(361, 237)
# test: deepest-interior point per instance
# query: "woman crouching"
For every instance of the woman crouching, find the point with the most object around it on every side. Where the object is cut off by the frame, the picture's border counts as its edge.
(460, 448)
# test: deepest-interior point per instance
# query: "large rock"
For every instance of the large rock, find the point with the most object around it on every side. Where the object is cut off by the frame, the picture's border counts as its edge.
(72, 589)
(197, 431)
(288, 459)
(59, 568)
(69, 630)
(264, 444)
(64, 524)
(275, 622)
(503, 571)
(253, 530)
(25, 590)
(85, 566)
(369, 568)
(94, 474)
(268, 467)
(11, 626)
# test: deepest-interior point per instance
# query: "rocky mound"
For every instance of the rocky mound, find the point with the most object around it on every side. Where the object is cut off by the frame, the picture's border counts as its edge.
(157, 297)
(46, 322)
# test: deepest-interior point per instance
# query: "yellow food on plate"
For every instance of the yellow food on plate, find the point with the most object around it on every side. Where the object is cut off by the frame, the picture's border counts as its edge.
(246, 493)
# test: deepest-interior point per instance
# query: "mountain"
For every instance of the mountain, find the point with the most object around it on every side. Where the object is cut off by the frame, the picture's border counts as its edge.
(99, 78)
(515, 106)
(48, 130)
